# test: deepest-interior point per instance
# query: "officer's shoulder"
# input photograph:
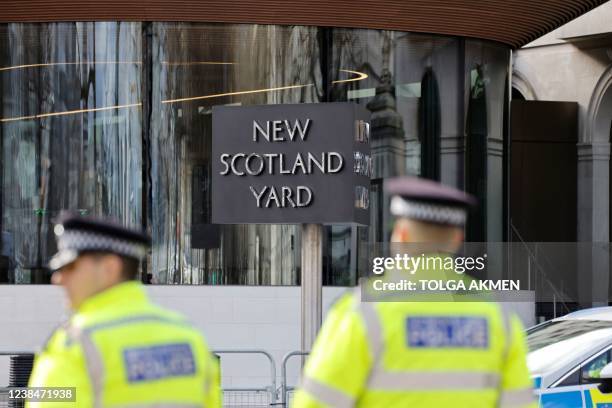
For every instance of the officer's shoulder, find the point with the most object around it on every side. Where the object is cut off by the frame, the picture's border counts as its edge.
(347, 300)
(103, 320)
(57, 336)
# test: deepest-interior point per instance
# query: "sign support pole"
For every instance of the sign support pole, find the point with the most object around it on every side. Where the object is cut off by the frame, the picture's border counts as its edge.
(312, 282)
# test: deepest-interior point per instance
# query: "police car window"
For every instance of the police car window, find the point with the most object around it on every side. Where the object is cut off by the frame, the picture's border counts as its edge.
(552, 347)
(572, 379)
(546, 335)
(591, 370)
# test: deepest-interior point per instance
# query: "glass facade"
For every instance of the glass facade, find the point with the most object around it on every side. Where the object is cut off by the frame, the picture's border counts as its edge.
(115, 119)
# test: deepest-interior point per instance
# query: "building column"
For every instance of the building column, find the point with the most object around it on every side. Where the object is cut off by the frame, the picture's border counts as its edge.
(311, 283)
(593, 222)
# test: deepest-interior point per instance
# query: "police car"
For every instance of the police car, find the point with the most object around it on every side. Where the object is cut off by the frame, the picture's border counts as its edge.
(570, 360)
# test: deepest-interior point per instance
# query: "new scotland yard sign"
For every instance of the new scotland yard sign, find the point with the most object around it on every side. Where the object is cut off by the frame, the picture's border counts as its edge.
(289, 164)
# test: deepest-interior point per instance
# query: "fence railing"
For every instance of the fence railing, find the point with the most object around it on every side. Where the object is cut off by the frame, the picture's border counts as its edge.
(285, 388)
(534, 263)
(268, 394)
(18, 379)
(264, 395)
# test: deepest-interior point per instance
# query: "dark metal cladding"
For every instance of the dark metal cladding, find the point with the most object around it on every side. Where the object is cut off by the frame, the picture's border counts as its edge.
(512, 22)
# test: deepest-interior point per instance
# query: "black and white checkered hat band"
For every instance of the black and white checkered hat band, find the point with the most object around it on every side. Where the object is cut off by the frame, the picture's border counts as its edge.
(87, 241)
(434, 213)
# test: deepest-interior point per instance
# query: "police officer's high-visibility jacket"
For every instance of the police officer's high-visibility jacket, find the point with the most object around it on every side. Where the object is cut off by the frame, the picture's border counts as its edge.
(120, 350)
(417, 354)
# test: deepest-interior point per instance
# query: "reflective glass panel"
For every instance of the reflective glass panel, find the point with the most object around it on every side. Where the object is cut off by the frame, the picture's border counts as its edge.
(71, 136)
(115, 119)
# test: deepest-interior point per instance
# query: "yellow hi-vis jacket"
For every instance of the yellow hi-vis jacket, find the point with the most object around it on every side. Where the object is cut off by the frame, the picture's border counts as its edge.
(120, 350)
(429, 354)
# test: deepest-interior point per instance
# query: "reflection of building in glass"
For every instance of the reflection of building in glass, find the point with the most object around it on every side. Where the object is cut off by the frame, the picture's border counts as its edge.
(53, 159)
(103, 122)
(115, 118)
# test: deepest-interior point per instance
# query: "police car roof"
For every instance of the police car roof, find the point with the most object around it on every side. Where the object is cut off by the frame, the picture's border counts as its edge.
(595, 313)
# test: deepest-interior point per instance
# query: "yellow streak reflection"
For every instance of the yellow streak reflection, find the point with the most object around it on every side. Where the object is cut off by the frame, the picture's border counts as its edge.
(53, 64)
(195, 98)
(72, 112)
(360, 76)
(198, 63)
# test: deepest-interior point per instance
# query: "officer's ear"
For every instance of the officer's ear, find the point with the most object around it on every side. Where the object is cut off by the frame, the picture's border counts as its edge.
(457, 239)
(401, 231)
(458, 236)
(113, 268)
(130, 268)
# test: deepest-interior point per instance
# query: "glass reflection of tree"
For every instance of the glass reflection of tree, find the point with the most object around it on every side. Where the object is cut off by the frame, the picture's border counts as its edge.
(65, 144)
(253, 58)
(476, 153)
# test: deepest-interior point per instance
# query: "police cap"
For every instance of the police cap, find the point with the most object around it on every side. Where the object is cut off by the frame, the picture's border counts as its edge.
(77, 234)
(428, 201)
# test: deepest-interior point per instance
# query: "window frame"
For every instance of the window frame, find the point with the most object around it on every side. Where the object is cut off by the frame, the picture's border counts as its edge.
(579, 367)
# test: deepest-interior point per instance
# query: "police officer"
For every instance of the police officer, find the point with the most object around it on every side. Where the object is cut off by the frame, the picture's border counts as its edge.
(118, 349)
(419, 354)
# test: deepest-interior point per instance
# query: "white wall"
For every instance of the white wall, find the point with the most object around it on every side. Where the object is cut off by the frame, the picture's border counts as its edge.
(230, 316)
(264, 317)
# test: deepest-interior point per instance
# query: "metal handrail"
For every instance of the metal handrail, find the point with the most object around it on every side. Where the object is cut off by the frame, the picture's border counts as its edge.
(284, 387)
(524, 243)
(539, 267)
(270, 389)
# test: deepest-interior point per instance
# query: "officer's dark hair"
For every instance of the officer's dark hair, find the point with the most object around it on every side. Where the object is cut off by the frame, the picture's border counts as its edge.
(130, 268)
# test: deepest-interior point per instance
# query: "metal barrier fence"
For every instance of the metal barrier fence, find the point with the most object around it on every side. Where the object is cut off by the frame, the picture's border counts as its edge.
(18, 377)
(5, 402)
(287, 390)
(263, 396)
(233, 397)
